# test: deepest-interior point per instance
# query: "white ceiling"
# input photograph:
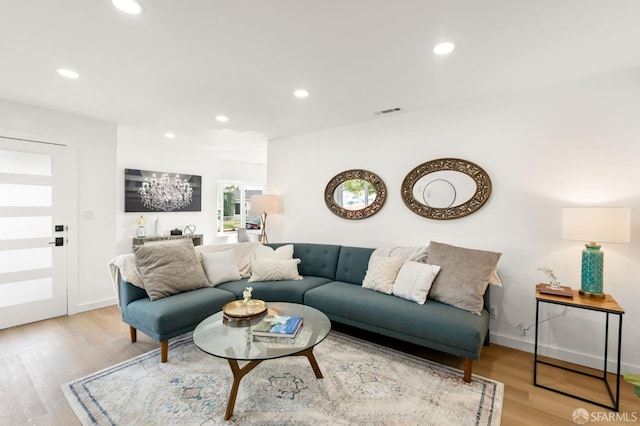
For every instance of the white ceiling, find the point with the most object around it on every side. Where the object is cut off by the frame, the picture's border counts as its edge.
(181, 63)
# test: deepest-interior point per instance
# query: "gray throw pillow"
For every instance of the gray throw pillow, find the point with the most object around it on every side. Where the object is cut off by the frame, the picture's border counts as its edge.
(464, 275)
(168, 269)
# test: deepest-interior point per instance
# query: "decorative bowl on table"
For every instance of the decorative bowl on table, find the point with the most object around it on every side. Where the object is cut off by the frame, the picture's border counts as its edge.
(238, 310)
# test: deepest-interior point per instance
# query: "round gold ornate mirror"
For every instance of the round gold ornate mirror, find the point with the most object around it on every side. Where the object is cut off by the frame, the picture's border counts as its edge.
(447, 188)
(355, 194)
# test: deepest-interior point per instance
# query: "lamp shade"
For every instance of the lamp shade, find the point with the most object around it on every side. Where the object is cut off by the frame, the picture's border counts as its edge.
(597, 224)
(265, 203)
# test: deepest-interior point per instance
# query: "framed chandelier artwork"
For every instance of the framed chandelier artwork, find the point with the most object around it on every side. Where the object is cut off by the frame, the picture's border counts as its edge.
(153, 191)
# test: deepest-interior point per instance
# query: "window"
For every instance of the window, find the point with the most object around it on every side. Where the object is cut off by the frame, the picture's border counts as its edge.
(234, 206)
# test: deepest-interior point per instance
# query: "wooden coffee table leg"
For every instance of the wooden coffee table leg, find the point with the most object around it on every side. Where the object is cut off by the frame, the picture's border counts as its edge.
(238, 374)
(312, 360)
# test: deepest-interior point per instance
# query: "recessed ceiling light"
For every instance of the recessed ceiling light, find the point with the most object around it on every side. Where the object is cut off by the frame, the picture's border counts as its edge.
(68, 73)
(222, 118)
(444, 48)
(132, 7)
(169, 135)
(301, 93)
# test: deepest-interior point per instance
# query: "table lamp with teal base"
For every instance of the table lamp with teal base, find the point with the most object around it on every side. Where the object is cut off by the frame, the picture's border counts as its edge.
(592, 267)
(604, 224)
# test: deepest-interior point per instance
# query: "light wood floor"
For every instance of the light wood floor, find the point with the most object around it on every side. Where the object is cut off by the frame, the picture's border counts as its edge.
(35, 359)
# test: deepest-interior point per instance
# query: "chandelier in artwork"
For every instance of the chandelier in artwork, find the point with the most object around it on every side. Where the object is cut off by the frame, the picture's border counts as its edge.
(165, 193)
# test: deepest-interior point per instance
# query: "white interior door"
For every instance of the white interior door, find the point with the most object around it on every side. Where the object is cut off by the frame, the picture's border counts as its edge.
(33, 230)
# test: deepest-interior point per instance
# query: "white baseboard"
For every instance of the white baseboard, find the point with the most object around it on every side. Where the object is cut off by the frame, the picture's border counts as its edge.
(97, 304)
(563, 354)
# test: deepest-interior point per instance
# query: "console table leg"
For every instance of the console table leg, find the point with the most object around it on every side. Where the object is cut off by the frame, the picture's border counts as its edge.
(238, 374)
(312, 360)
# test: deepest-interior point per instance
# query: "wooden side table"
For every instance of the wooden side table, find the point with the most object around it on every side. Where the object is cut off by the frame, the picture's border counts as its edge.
(608, 306)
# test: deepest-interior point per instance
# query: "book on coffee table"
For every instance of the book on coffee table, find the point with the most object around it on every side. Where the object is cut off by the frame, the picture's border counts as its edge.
(278, 326)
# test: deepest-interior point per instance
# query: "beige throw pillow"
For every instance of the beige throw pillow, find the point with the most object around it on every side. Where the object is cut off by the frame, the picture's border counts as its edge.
(381, 273)
(414, 281)
(273, 269)
(283, 252)
(168, 269)
(495, 279)
(220, 266)
(463, 277)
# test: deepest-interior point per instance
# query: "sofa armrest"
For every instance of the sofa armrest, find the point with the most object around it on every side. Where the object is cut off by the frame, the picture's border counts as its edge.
(129, 292)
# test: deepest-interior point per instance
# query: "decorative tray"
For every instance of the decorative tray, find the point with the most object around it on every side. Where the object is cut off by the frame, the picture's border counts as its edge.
(237, 309)
(560, 291)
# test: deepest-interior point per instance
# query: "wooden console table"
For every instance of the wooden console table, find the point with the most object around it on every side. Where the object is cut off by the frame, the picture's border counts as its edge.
(197, 239)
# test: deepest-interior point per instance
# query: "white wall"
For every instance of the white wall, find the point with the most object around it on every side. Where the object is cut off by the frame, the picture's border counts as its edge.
(98, 154)
(92, 159)
(568, 145)
(146, 149)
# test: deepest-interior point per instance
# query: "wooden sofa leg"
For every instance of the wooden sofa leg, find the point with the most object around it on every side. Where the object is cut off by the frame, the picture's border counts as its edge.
(164, 350)
(134, 334)
(468, 365)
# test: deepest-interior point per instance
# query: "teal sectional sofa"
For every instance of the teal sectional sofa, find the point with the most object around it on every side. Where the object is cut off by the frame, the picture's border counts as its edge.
(332, 283)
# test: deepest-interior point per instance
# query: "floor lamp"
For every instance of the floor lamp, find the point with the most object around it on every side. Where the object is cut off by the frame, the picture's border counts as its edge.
(601, 224)
(264, 204)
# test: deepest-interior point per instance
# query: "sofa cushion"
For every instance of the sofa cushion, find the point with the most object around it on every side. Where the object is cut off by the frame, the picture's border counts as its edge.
(382, 273)
(316, 260)
(162, 318)
(464, 275)
(414, 281)
(168, 269)
(353, 263)
(274, 269)
(276, 291)
(454, 330)
(220, 266)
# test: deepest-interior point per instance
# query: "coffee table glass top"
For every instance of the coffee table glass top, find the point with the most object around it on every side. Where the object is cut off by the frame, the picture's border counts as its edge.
(226, 340)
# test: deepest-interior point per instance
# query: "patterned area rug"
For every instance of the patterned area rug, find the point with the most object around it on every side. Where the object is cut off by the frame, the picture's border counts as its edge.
(363, 384)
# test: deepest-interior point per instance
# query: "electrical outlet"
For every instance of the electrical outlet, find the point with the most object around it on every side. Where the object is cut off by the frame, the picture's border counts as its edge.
(493, 312)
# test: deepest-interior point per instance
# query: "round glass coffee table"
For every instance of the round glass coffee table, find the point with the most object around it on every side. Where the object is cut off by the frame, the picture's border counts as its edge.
(225, 339)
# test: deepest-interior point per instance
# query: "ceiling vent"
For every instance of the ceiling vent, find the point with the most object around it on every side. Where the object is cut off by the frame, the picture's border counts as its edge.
(387, 111)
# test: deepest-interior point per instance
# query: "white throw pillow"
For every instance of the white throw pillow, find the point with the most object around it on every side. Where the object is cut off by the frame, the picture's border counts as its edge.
(220, 266)
(414, 281)
(273, 269)
(283, 252)
(382, 273)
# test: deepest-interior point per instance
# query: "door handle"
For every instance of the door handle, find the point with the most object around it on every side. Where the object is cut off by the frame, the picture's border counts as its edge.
(58, 242)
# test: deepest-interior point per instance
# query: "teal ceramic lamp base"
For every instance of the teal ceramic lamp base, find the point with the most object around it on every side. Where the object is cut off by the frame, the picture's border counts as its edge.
(592, 263)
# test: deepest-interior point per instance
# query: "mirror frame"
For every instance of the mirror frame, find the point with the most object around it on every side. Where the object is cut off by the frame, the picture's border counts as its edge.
(475, 172)
(370, 210)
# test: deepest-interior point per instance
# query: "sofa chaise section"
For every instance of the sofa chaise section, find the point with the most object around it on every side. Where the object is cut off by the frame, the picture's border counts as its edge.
(434, 325)
(171, 316)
